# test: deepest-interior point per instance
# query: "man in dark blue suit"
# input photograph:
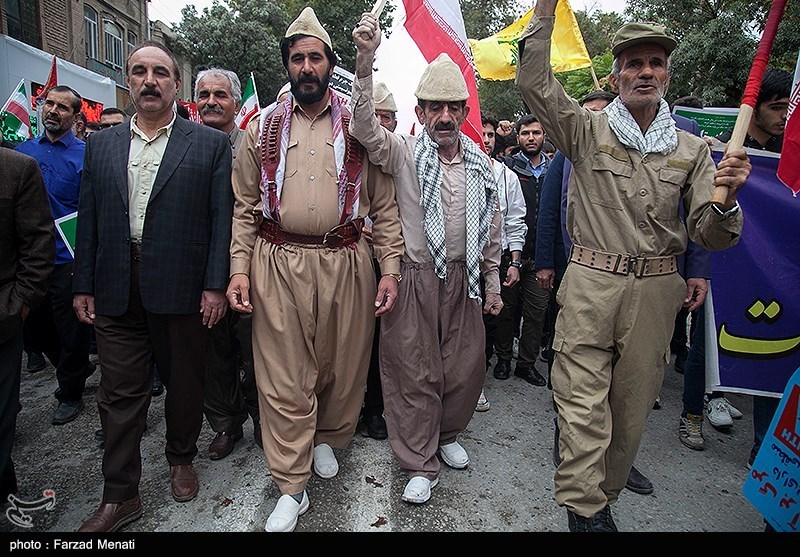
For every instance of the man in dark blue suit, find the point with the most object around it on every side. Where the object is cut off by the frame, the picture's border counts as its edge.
(151, 269)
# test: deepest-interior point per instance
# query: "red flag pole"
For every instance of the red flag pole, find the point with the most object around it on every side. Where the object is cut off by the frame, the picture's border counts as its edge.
(752, 88)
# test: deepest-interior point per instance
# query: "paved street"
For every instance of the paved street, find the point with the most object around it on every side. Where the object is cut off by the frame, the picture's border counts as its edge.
(508, 486)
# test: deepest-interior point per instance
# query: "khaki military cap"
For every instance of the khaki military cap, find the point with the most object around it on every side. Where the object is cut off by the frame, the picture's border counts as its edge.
(383, 98)
(632, 34)
(308, 24)
(442, 81)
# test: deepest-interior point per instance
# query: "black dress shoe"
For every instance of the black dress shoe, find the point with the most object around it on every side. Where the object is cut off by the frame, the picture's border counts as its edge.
(67, 411)
(502, 369)
(36, 362)
(530, 375)
(601, 522)
(223, 443)
(376, 426)
(158, 385)
(638, 482)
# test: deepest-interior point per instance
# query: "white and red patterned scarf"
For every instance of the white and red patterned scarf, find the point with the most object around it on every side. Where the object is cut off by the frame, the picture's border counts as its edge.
(339, 145)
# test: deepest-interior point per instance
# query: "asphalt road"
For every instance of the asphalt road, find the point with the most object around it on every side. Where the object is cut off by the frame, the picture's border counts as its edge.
(507, 488)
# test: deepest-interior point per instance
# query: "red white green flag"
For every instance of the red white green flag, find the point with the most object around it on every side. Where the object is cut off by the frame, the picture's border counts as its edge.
(14, 117)
(250, 105)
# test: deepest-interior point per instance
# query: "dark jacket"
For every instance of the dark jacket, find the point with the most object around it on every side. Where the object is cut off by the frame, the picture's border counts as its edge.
(531, 191)
(27, 239)
(187, 228)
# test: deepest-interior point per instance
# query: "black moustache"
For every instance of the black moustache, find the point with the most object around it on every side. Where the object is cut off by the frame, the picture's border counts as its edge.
(150, 92)
(309, 79)
(444, 127)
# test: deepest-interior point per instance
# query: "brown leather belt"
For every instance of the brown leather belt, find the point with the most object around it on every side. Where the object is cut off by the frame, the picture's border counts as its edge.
(337, 237)
(623, 263)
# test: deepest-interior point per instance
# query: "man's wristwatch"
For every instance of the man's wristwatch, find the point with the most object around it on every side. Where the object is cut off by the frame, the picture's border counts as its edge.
(726, 214)
(517, 264)
(396, 276)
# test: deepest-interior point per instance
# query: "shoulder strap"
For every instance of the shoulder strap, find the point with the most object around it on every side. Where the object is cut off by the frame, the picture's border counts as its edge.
(270, 156)
(353, 163)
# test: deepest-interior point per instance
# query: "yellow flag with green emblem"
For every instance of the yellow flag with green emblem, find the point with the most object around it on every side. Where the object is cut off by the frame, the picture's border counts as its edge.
(496, 56)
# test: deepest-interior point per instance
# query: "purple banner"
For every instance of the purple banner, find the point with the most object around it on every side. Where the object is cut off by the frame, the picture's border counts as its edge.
(756, 287)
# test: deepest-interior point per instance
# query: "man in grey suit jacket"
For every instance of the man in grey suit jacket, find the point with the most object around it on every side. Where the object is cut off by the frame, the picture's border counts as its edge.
(151, 268)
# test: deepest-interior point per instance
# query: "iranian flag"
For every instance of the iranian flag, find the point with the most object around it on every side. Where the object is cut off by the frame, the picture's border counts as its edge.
(250, 105)
(14, 117)
(437, 26)
(788, 169)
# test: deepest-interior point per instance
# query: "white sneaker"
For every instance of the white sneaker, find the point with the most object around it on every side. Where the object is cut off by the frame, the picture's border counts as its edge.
(325, 464)
(483, 403)
(284, 517)
(716, 411)
(418, 489)
(454, 455)
(735, 413)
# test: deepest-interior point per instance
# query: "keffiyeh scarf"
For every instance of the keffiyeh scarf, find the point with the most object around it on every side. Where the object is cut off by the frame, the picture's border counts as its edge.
(661, 136)
(481, 201)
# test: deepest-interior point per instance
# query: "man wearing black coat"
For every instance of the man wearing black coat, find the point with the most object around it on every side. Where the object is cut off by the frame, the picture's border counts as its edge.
(151, 268)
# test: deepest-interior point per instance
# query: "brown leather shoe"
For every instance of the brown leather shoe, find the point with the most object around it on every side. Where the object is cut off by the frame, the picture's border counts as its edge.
(223, 443)
(110, 517)
(184, 482)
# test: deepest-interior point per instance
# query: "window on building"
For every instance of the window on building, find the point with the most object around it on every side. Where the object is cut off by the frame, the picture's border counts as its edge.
(113, 44)
(90, 32)
(22, 21)
(133, 40)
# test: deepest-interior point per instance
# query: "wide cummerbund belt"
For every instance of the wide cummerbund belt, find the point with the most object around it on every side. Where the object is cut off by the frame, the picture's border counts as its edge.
(624, 263)
(339, 236)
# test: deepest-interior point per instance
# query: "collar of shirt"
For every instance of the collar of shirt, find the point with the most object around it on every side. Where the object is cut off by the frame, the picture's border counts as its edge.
(66, 140)
(539, 169)
(165, 129)
(296, 107)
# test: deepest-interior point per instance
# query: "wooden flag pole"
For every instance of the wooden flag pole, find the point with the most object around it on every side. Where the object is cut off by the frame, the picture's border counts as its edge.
(751, 90)
(378, 8)
(594, 76)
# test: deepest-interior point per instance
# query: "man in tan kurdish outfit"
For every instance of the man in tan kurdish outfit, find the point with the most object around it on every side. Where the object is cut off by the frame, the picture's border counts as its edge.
(621, 291)
(432, 344)
(299, 263)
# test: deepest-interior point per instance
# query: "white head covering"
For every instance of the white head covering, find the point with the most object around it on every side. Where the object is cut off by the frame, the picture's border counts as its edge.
(383, 98)
(442, 80)
(308, 24)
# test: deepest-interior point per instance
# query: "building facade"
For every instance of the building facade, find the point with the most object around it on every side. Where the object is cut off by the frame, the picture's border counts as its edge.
(95, 34)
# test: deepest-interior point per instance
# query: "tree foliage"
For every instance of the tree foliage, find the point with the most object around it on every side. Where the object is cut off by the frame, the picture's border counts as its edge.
(717, 40)
(239, 35)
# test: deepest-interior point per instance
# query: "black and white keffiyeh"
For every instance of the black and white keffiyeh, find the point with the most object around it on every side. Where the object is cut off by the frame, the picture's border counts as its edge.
(481, 202)
(661, 136)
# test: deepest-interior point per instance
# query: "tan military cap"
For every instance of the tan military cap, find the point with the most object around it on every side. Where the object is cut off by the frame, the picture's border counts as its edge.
(383, 98)
(442, 81)
(634, 33)
(308, 24)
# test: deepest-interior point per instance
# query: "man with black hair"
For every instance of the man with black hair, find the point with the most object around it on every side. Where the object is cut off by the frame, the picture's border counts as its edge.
(53, 325)
(768, 123)
(111, 116)
(302, 267)
(512, 210)
(526, 297)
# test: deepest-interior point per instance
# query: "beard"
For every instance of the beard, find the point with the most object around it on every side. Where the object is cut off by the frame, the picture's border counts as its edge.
(530, 153)
(311, 97)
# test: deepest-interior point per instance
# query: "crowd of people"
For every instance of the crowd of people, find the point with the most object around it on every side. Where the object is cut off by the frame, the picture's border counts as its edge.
(317, 269)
